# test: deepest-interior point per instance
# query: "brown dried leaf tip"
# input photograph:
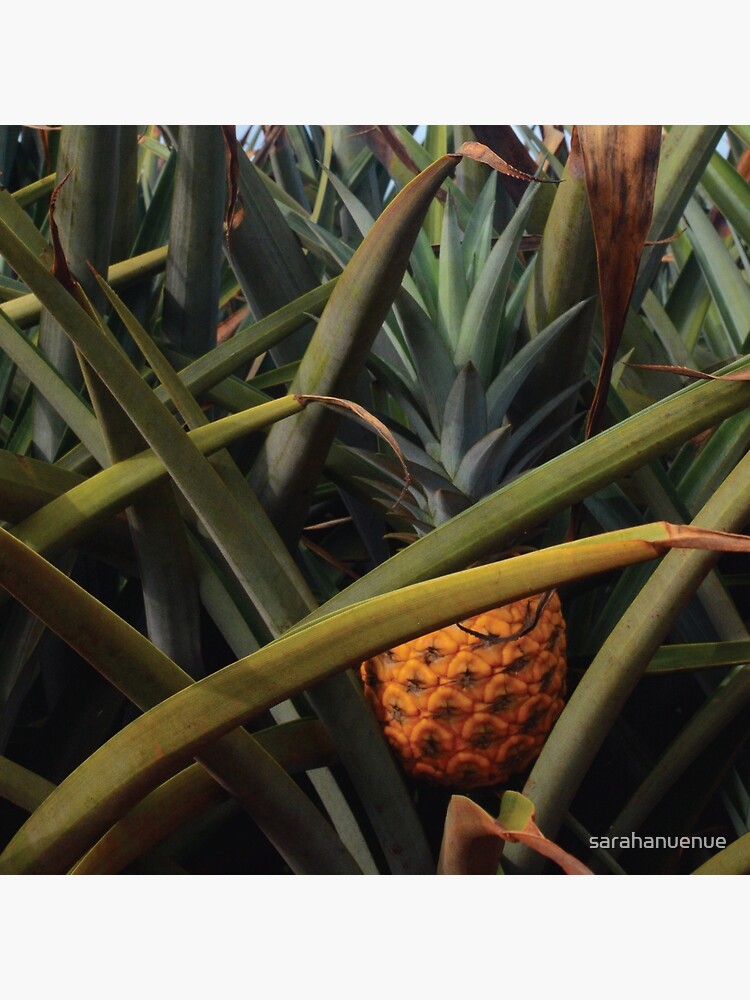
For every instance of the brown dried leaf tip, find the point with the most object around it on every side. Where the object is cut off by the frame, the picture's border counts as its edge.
(360, 413)
(473, 840)
(60, 267)
(483, 154)
(235, 211)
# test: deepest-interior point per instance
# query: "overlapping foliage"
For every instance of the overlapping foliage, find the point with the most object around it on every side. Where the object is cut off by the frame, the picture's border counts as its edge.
(182, 518)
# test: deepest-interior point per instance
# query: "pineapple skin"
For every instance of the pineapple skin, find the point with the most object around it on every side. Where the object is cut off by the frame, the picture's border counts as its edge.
(468, 712)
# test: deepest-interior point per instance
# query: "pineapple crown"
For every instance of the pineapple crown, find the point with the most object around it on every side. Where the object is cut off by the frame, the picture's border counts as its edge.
(449, 364)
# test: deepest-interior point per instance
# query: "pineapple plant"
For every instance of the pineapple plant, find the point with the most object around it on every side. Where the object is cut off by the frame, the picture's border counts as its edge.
(472, 703)
(451, 360)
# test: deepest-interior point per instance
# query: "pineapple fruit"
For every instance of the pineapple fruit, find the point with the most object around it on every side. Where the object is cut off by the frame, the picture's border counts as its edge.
(471, 704)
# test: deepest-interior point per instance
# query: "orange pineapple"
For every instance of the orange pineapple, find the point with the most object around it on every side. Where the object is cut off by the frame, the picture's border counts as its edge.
(472, 704)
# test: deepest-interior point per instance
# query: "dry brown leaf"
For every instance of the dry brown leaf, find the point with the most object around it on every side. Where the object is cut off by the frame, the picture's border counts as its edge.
(483, 154)
(501, 139)
(690, 536)
(620, 163)
(369, 420)
(327, 557)
(473, 841)
(386, 146)
(60, 267)
(228, 327)
(271, 135)
(743, 376)
(235, 211)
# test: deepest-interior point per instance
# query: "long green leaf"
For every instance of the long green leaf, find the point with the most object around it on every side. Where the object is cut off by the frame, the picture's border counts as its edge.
(689, 302)
(434, 367)
(147, 676)
(279, 592)
(481, 319)
(192, 281)
(699, 656)
(730, 192)
(718, 456)
(25, 310)
(25, 228)
(477, 241)
(506, 385)
(495, 522)
(265, 255)
(21, 786)
(293, 457)
(464, 418)
(684, 154)
(192, 413)
(453, 293)
(160, 742)
(69, 517)
(222, 515)
(59, 394)
(620, 663)
(85, 217)
(160, 541)
(733, 860)
(565, 274)
(297, 746)
(249, 343)
(729, 289)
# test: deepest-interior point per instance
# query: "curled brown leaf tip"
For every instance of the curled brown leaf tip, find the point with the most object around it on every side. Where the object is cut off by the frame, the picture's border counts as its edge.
(483, 154)
(472, 840)
(666, 241)
(692, 537)
(371, 421)
(235, 211)
(60, 267)
(741, 376)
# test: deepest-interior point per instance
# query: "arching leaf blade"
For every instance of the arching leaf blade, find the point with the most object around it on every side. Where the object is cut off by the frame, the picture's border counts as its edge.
(158, 744)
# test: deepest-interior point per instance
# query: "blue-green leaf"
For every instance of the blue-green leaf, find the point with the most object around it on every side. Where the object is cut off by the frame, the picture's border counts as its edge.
(464, 418)
(484, 310)
(503, 389)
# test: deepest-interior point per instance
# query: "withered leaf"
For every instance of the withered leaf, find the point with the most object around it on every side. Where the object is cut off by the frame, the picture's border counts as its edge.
(370, 421)
(473, 841)
(620, 164)
(483, 154)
